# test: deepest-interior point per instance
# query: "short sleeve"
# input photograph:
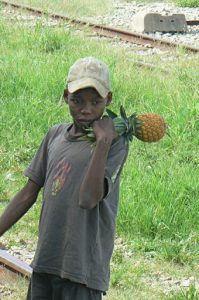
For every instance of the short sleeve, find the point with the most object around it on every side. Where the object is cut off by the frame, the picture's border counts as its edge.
(36, 171)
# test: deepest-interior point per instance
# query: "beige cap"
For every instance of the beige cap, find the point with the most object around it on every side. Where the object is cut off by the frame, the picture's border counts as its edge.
(89, 72)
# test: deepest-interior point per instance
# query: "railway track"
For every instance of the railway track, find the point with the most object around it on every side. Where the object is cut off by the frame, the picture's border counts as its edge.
(14, 265)
(131, 37)
(192, 22)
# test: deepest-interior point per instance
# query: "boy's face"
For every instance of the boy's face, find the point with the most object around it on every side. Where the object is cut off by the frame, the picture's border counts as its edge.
(86, 105)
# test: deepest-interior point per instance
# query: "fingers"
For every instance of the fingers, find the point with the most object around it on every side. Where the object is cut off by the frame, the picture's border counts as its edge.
(102, 123)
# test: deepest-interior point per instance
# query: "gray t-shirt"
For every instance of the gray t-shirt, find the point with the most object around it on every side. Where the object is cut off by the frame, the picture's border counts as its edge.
(74, 243)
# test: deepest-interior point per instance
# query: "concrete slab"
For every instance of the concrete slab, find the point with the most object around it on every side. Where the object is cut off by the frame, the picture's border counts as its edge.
(152, 22)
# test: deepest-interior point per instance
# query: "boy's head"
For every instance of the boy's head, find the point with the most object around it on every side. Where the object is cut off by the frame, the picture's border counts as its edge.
(89, 72)
(88, 91)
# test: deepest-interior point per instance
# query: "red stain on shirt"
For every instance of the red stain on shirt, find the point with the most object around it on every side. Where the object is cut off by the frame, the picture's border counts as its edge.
(62, 170)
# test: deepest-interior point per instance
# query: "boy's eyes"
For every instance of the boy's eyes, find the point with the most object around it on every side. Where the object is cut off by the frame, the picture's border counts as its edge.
(76, 101)
(95, 102)
(79, 101)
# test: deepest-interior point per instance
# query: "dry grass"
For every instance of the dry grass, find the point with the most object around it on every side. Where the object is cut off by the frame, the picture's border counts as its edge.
(12, 286)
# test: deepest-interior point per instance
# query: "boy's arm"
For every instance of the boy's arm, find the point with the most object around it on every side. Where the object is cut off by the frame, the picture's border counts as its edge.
(19, 205)
(93, 187)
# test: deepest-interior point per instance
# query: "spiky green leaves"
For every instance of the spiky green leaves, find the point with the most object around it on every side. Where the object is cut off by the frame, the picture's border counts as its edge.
(124, 125)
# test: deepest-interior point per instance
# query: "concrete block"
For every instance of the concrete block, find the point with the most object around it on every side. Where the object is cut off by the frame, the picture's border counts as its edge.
(152, 22)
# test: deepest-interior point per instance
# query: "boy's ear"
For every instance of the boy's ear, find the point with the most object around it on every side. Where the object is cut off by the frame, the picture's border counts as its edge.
(109, 98)
(65, 95)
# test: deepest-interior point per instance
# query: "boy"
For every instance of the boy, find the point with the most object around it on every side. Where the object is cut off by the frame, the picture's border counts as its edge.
(80, 196)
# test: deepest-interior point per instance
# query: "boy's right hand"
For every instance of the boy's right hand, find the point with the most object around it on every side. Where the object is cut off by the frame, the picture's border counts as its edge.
(104, 129)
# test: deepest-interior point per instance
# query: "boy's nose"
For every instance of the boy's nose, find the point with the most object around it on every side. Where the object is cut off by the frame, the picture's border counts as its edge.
(86, 109)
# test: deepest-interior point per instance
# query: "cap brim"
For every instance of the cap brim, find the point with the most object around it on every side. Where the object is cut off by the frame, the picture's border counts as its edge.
(85, 83)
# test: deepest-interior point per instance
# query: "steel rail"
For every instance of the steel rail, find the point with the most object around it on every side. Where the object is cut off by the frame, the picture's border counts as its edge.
(135, 38)
(192, 22)
(14, 264)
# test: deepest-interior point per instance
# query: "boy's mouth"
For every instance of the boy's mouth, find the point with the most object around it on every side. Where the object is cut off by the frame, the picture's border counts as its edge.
(84, 123)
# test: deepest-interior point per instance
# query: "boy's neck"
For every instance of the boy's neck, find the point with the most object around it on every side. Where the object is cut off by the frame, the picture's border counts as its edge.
(76, 131)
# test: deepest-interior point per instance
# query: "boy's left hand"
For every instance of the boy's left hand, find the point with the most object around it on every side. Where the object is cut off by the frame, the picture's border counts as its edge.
(104, 129)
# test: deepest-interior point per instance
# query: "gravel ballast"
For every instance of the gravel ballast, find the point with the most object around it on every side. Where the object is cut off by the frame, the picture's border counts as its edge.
(123, 14)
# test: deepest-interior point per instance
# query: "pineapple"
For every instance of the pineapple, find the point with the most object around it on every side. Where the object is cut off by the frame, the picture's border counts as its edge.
(148, 127)
(151, 127)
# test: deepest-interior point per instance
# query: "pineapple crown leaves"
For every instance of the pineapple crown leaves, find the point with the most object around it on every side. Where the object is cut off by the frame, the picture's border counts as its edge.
(123, 113)
(111, 114)
(89, 135)
(124, 125)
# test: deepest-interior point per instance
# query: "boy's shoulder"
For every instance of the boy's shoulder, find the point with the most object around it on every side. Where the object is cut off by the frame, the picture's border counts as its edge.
(57, 128)
(55, 131)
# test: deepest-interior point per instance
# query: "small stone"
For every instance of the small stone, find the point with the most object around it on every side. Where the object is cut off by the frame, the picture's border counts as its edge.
(147, 45)
(185, 283)
(168, 279)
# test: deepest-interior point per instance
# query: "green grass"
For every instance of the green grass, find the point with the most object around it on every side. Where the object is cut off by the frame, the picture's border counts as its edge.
(183, 3)
(71, 8)
(159, 185)
(159, 205)
(187, 3)
(190, 294)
